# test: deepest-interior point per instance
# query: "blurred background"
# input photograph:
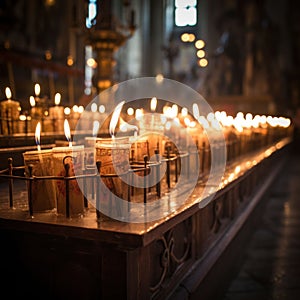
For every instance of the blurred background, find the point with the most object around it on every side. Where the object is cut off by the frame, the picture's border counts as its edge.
(241, 55)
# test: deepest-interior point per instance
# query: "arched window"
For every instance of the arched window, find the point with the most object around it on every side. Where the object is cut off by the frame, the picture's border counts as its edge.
(185, 13)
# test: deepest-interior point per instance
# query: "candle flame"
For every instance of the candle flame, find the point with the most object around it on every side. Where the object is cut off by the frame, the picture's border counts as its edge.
(187, 121)
(115, 117)
(153, 104)
(196, 112)
(32, 101)
(75, 108)
(57, 98)
(94, 107)
(38, 136)
(174, 110)
(102, 109)
(203, 121)
(184, 112)
(80, 109)
(37, 89)
(67, 110)
(96, 126)
(139, 114)
(67, 132)
(8, 92)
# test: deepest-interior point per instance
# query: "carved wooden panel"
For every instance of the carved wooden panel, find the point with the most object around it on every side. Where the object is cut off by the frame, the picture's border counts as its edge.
(169, 255)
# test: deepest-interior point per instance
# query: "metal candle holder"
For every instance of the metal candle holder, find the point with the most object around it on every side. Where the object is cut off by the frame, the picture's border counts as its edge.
(235, 149)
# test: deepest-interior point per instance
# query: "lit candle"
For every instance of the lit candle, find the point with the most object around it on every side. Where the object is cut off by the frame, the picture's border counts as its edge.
(10, 111)
(113, 153)
(37, 136)
(115, 119)
(73, 156)
(56, 113)
(43, 191)
(40, 102)
(36, 113)
(23, 128)
(74, 116)
(68, 132)
(37, 90)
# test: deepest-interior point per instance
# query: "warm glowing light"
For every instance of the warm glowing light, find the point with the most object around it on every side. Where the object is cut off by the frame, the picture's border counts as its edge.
(75, 108)
(70, 61)
(22, 118)
(248, 120)
(263, 119)
(159, 78)
(256, 121)
(270, 121)
(185, 37)
(168, 125)
(284, 122)
(238, 124)
(192, 124)
(185, 13)
(139, 114)
(167, 110)
(228, 121)
(104, 84)
(249, 116)
(196, 112)
(130, 111)
(57, 98)
(200, 53)
(91, 63)
(218, 115)
(38, 136)
(184, 112)
(153, 104)
(48, 55)
(115, 118)
(67, 110)
(94, 107)
(210, 116)
(202, 120)
(203, 62)
(237, 169)
(187, 121)
(176, 121)
(215, 124)
(102, 109)
(163, 119)
(32, 101)
(37, 89)
(96, 126)
(199, 44)
(8, 92)
(124, 126)
(174, 111)
(80, 109)
(67, 132)
(240, 115)
(191, 37)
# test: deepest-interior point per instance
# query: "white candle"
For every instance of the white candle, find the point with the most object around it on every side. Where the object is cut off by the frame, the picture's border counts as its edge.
(56, 114)
(10, 111)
